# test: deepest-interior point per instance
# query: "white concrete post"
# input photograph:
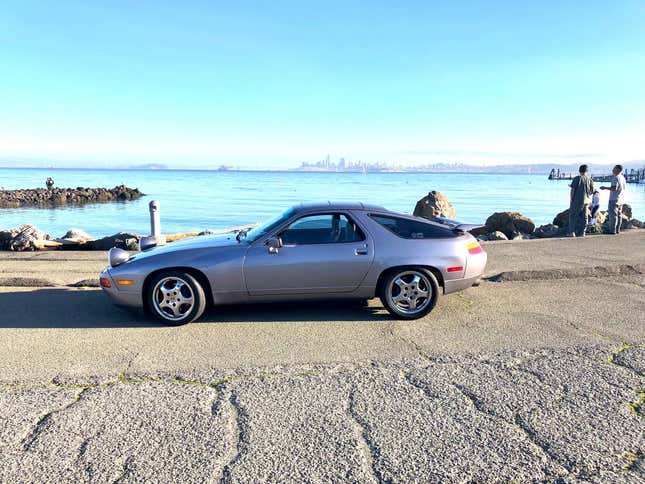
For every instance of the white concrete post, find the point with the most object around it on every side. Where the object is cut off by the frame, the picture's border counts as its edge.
(155, 218)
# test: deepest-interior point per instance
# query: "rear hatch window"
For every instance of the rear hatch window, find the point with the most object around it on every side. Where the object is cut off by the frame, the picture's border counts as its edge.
(412, 229)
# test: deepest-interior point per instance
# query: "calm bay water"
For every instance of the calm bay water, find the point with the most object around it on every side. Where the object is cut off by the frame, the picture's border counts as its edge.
(197, 200)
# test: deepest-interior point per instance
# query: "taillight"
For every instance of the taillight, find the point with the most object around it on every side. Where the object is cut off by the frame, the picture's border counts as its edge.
(474, 248)
(105, 282)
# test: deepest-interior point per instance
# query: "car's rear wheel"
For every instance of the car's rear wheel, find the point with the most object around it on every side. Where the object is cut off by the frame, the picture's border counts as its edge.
(175, 298)
(409, 293)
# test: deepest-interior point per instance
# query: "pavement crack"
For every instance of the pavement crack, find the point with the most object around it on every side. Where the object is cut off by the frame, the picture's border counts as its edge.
(131, 361)
(518, 424)
(126, 470)
(369, 450)
(45, 420)
(81, 461)
(417, 384)
(614, 358)
(537, 442)
(417, 349)
(238, 443)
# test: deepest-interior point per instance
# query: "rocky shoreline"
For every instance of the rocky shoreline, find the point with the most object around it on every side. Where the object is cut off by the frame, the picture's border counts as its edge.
(498, 226)
(57, 197)
(515, 225)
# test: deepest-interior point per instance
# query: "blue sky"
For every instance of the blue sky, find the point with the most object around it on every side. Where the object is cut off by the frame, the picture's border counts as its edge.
(270, 84)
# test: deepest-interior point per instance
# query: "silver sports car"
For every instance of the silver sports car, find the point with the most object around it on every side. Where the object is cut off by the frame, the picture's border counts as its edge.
(311, 251)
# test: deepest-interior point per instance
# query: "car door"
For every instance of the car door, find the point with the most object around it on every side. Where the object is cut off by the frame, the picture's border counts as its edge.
(321, 253)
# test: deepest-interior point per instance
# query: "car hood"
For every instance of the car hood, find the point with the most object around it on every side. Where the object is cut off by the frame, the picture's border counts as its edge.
(199, 242)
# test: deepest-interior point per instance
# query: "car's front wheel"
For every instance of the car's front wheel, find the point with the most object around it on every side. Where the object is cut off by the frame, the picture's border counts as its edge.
(409, 293)
(175, 298)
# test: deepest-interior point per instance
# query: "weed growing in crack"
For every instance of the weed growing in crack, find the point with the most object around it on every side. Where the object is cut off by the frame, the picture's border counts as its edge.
(637, 405)
(612, 356)
(631, 459)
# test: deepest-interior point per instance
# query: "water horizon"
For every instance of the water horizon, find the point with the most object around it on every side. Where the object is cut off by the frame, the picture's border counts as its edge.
(198, 199)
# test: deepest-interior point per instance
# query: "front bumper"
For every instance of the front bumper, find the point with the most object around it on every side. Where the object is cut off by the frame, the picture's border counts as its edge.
(120, 298)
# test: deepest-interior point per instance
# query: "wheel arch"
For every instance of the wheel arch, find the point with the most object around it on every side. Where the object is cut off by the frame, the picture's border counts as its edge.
(383, 275)
(196, 273)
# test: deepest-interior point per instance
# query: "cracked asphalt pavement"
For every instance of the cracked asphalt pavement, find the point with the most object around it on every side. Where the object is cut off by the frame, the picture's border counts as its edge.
(520, 380)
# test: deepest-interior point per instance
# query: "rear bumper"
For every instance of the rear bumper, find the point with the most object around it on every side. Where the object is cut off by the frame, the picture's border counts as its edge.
(459, 284)
(120, 298)
(475, 266)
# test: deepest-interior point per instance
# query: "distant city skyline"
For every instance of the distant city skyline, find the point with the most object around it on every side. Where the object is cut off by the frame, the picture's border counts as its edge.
(201, 84)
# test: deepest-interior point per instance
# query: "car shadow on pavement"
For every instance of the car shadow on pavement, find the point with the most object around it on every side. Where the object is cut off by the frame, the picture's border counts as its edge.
(70, 308)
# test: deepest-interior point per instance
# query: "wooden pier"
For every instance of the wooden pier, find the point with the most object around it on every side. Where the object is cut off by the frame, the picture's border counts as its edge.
(631, 176)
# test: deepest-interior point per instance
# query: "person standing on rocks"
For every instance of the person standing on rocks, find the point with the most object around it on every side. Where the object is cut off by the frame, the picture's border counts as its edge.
(579, 200)
(616, 199)
(49, 183)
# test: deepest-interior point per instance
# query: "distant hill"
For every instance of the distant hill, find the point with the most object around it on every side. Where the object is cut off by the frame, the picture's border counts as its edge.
(148, 166)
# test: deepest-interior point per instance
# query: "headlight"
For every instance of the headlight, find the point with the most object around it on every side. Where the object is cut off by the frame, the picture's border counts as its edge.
(117, 257)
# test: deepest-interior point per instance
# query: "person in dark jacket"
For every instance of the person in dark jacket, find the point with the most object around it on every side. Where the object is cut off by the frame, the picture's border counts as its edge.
(579, 200)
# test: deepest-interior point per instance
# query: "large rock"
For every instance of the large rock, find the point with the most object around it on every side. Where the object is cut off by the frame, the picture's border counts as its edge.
(26, 238)
(6, 236)
(496, 235)
(627, 211)
(435, 204)
(77, 235)
(546, 231)
(510, 223)
(562, 219)
(122, 240)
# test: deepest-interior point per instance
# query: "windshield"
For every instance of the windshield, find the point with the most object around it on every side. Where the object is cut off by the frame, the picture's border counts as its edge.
(261, 230)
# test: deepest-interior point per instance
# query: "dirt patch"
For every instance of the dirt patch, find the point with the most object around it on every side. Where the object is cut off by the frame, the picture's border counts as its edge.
(25, 282)
(568, 273)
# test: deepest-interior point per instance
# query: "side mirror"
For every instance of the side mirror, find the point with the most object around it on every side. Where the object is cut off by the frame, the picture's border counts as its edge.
(274, 244)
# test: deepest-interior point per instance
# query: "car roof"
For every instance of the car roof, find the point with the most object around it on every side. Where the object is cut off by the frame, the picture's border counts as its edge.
(312, 206)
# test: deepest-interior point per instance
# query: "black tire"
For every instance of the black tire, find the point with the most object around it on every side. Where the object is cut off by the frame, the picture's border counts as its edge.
(176, 310)
(428, 282)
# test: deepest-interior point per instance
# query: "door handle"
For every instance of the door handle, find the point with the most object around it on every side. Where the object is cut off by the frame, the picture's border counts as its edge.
(360, 251)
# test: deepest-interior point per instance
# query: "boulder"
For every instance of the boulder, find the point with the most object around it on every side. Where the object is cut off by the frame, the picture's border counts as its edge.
(435, 204)
(510, 223)
(562, 219)
(497, 235)
(77, 235)
(546, 231)
(624, 223)
(122, 240)
(6, 236)
(627, 211)
(27, 237)
(637, 223)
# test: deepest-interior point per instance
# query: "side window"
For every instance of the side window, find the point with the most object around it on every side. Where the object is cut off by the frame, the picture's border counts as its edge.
(329, 228)
(412, 229)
